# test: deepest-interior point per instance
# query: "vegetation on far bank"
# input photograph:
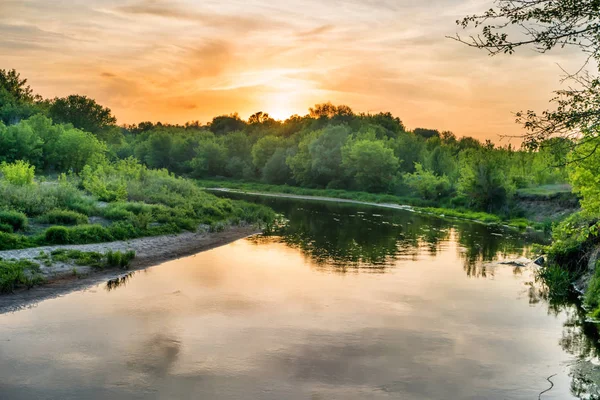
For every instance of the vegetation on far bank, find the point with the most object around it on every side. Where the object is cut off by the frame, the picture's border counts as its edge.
(417, 203)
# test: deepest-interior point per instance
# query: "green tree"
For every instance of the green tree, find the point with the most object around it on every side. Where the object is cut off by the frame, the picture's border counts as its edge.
(484, 180)
(17, 100)
(371, 164)
(82, 112)
(427, 184)
(264, 149)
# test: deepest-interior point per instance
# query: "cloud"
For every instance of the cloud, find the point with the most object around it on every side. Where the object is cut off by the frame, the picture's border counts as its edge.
(169, 9)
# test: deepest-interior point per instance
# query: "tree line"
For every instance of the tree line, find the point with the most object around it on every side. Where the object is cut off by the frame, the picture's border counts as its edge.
(329, 147)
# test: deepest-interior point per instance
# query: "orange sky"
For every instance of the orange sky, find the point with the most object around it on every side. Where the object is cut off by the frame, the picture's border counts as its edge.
(183, 60)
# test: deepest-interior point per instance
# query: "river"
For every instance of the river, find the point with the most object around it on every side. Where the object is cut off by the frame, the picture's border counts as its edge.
(344, 302)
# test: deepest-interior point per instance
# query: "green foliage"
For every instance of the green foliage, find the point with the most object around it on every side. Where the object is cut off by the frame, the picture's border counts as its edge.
(57, 235)
(372, 165)
(64, 217)
(18, 173)
(119, 259)
(15, 274)
(484, 180)
(16, 220)
(427, 184)
(82, 112)
(264, 149)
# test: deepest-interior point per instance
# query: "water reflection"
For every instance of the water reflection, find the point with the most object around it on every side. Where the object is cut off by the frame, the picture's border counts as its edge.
(345, 237)
(119, 281)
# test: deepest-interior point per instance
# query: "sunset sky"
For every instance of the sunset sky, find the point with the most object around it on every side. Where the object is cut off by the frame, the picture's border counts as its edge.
(183, 60)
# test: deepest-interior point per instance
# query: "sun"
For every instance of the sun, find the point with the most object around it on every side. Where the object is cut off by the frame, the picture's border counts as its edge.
(282, 105)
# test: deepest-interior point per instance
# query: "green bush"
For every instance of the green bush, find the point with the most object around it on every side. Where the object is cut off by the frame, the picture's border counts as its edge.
(119, 259)
(64, 217)
(17, 220)
(14, 274)
(57, 235)
(84, 234)
(18, 173)
(6, 228)
(9, 241)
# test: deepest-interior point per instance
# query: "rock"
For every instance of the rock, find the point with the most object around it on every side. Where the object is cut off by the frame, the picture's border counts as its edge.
(540, 261)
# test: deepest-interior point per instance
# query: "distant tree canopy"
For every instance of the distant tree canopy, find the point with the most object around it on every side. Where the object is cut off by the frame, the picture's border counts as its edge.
(330, 147)
(82, 112)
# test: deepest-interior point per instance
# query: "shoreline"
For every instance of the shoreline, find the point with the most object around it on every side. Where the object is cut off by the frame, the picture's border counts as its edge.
(150, 251)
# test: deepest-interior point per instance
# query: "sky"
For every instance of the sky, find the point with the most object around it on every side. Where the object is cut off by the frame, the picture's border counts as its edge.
(187, 60)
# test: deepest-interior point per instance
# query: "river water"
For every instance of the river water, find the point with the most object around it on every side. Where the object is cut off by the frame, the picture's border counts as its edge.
(344, 302)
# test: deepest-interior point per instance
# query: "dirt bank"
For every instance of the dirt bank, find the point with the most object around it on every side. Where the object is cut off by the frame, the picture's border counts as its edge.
(149, 251)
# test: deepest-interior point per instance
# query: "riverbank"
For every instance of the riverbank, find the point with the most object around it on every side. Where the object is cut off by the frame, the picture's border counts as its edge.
(473, 216)
(63, 277)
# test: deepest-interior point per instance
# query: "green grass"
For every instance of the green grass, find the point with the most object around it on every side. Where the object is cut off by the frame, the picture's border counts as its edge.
(18, 274)
(157, 203)
(545, 191)
(93, 259)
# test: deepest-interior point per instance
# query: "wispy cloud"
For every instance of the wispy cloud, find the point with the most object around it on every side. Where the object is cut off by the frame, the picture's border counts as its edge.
(191, 59)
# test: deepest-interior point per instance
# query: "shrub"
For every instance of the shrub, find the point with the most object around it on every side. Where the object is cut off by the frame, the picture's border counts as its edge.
(16, 273)
(6, 228)
(84, 234)
(57, 235)
(427, 184)
(64, 217)
(123, 231)
(18, 173)
(17, 220)
(9, 241)
(119, 259)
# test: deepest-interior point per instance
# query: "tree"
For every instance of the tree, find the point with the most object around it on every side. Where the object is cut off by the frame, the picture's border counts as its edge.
(585, 177)
(371, 164)
(276, 170)
(263, 149)
(17, 100)
(224, 124)
(484, 180)
(82, 112)
(75, 149)
(11, 82)
(427, 184)
(210, 159)
(546, 25)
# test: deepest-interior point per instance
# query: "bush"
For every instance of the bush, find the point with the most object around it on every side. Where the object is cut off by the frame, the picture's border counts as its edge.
(427, 184)
(6, 228)
(17, 220)
(18, 173)
(84, 234)
(57, 235)
(17, 273)
(118, 259)
(64, 217)
(9, 241)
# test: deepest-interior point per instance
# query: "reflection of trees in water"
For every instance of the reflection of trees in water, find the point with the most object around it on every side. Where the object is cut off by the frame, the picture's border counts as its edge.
(579, 338)
(119, 281)
(348, 237)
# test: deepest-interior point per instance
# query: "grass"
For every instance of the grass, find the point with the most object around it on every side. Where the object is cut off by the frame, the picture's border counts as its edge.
(545, 191)
(17, 274)
(150, 203)
(111, 259)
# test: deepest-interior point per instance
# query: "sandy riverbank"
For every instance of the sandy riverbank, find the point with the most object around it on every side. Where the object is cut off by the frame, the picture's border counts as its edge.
(149, 251)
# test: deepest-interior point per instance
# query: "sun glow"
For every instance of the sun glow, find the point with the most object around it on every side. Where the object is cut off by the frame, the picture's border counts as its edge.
(283, 105)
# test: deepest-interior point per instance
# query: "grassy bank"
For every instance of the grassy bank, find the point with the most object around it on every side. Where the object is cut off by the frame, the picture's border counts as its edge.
(418, 204)
(112, 202)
